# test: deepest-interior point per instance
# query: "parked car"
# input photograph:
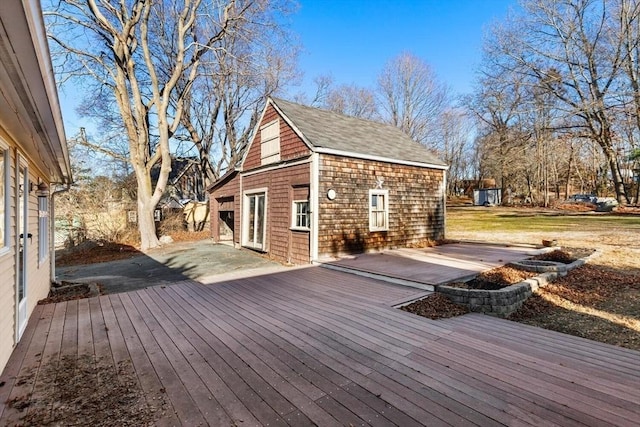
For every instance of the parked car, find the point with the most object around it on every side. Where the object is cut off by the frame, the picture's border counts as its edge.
(583, 198)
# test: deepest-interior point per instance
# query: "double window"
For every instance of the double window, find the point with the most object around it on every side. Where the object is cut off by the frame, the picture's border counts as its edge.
(378, 210)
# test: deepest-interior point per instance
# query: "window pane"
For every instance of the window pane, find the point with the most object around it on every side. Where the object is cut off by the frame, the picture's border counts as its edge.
(260, 222)
(302, 214)
(252, 218)
(378, 210)
(2, 198)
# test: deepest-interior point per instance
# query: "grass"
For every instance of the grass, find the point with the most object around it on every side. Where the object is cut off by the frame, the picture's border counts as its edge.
(616, 236)
(500, 219)
(600, 301)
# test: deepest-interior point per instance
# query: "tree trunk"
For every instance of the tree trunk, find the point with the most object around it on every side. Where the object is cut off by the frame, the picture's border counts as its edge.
(147, 224)
(616, 176)
(569, 171)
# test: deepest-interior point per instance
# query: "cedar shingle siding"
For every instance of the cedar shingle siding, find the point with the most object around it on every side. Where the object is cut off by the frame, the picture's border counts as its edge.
(282, 243)
(352, 157)
(416, 205)
(291, 146)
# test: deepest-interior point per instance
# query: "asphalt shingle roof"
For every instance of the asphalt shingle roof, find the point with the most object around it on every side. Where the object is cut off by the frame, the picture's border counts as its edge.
(329, 130)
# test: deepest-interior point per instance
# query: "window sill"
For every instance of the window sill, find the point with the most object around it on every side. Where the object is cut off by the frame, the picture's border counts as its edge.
(303, 229)
(374, 230)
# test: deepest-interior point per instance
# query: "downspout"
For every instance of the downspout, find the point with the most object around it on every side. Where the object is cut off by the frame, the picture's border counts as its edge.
(314, 198)
(444, 203)
(52, 231)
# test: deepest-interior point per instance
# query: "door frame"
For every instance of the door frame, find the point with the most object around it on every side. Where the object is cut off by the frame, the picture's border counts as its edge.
(245, 219)
(21, 262)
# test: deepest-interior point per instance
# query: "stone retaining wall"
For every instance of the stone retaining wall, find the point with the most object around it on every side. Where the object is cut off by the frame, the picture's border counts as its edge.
(503, 302)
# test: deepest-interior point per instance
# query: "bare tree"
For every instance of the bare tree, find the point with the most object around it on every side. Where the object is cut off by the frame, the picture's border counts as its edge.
(496, 105)
(412, 98)
(122, 47)
(567, 49)
(254, 62)
(455, 147)
(353, 100)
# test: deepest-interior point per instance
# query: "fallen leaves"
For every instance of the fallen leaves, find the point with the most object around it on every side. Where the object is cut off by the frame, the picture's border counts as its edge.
(435, 306)
(81, 391)
(593, 301)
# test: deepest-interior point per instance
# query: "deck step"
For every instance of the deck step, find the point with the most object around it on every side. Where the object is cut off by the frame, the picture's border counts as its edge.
(378, 276)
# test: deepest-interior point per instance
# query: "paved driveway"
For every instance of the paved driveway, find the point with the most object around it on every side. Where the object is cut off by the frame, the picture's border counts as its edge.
(319, 347)
(202, 260)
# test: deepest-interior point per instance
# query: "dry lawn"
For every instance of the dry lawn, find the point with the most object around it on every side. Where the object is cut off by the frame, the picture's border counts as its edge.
(600, 301)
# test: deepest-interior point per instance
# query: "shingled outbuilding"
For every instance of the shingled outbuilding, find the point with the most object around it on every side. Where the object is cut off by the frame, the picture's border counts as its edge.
(315, 184)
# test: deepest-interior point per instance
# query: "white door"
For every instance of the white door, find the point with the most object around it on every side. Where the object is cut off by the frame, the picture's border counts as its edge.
(255, 221)
(23, 241)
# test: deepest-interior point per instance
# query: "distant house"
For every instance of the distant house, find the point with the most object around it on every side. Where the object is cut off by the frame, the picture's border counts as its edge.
(33, 157)
(185, 180)
(315, 184)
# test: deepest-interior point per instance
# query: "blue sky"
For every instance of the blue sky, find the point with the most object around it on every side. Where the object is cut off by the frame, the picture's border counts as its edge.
(353, 39)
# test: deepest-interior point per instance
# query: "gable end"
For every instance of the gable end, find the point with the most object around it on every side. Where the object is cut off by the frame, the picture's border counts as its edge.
(274, 141)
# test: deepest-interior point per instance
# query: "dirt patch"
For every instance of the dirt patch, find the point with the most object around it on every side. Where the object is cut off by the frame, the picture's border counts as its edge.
(592, 301)
(613, 318)
(90, 252)
(67, 291)
(81, 391)
(495, 279)
(435, 306)
(564, 255)
(576, 207)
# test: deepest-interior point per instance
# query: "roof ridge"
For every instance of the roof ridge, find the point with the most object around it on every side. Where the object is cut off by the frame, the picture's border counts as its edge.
(330, 131)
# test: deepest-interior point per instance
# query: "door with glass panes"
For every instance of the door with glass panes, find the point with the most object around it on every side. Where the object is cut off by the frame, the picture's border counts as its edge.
(254, 220)
(23, 239)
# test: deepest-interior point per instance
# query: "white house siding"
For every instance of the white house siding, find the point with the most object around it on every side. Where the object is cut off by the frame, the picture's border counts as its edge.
(32, 132)
(39, 274)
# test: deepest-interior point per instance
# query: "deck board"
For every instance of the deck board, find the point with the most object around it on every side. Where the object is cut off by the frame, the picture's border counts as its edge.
(24, 362)
(317, 346)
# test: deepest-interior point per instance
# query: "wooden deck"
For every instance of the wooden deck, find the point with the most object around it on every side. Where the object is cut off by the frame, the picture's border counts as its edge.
(433, 265)
(316, 346)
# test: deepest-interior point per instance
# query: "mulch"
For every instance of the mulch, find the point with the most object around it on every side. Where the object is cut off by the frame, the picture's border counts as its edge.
(70, 291)
(496, 278)
(91, 252)
(564, 255)
(82, 391)
(435, 306)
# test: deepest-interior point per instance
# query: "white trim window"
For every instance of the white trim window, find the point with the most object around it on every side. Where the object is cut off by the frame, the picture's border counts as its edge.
(4, 198)
(255, 220)
(270, 142)
(43, 228)
(301, 215)
(378, 210)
